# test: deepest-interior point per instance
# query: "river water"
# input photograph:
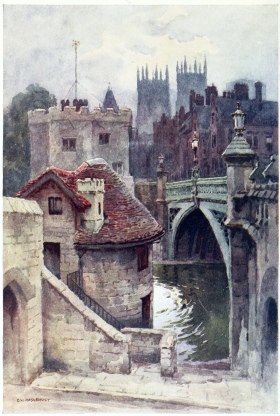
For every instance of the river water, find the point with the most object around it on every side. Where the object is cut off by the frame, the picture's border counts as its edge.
(193, 299)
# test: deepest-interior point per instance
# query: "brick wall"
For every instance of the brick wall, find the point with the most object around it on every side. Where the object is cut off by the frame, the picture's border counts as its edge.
(75, 338)
(23, 261)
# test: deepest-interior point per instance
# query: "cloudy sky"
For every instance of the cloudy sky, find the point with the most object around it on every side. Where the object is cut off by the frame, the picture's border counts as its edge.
(238, 41)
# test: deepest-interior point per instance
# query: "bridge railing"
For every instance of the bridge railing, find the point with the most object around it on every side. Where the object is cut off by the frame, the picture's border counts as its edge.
(213, 189)
(178, 190)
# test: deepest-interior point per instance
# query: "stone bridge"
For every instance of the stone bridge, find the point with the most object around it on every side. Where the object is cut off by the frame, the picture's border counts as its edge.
(199, 205)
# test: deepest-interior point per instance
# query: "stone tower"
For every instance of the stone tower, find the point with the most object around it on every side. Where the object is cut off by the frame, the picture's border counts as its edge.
(188, 80)
(66, 136)
(153, 99)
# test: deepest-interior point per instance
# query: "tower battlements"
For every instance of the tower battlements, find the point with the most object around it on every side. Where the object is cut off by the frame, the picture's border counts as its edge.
(55, 113)
(90, 185)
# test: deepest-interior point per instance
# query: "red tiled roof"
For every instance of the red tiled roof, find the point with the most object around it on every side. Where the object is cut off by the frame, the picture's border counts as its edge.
(126, 219)
(61, 177)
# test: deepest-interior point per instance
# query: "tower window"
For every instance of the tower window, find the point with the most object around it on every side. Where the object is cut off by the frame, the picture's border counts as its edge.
(142, 257)
(104, 138)
(69, 144)
(55, 206)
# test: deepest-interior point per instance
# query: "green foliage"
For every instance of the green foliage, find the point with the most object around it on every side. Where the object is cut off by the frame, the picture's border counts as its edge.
(16, 139)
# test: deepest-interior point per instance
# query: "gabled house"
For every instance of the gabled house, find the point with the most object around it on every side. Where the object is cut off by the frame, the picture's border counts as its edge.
(93, 225)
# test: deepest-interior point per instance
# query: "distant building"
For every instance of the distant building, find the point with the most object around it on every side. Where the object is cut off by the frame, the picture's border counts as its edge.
(209, 115)
(66, 136)
(94, 225)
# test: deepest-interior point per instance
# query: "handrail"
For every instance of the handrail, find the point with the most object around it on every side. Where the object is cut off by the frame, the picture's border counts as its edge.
(72, 279)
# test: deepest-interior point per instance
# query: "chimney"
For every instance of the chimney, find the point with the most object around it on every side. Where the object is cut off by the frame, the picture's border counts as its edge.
(258, 89)
(93, 190)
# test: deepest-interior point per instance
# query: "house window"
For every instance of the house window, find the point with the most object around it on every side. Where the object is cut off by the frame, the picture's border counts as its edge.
(118, 168)
(55, 206)
(142, 257)
(69, 144)
(104, 138)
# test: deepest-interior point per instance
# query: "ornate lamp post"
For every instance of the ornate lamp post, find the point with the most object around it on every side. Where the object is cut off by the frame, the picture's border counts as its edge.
(239, 120)
(195, 169)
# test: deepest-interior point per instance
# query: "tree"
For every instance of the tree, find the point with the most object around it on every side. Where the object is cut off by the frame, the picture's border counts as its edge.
(16, 138)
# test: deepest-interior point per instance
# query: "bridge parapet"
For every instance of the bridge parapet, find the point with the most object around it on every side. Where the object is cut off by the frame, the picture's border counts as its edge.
(213, 189)
(207, 189)
(181, 190)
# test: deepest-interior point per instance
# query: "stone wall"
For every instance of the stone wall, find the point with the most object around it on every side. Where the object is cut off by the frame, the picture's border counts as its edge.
(59, 228)
(154, 346)
(75, 338)
(146, 192)
(112, 279)
(23, 261)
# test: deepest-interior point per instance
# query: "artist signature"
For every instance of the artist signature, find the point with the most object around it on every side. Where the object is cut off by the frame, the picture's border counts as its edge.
(33, 399)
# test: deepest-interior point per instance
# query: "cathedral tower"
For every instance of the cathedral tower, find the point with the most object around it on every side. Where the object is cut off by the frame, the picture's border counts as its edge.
(188, 80)
(153, 99)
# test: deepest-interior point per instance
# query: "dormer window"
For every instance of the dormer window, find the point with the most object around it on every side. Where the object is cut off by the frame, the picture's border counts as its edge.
(69, 144)
(55, 206)
(104, 138)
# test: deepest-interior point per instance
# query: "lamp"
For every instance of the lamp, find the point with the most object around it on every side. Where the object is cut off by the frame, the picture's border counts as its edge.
(239, 119)
(195, 146)
(195, 169)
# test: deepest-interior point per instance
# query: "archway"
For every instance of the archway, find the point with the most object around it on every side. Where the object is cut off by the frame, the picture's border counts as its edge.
(11, 338)
(195, 239)
(269, 328)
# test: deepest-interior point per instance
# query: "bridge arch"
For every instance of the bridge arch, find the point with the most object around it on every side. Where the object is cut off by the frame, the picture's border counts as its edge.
(213, 218)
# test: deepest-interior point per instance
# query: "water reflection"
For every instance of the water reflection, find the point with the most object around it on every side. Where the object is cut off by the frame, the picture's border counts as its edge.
(193, 299)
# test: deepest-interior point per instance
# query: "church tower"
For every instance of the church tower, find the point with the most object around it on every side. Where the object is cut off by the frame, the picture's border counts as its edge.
(153, 99)
(188, 80)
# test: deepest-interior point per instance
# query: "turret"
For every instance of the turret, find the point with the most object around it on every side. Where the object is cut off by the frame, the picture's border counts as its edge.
(156, 73)
(195, 66)
(93, 191)
(167, 74)
(205, 67)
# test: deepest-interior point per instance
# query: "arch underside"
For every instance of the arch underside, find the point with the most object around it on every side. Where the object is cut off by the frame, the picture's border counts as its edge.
(199, 235)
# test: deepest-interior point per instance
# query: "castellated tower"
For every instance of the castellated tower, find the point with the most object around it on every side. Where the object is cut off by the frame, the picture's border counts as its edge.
(66, 136)
(188, 80)
(153, 99)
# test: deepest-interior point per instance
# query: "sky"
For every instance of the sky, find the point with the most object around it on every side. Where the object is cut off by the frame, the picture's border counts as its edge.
(239, 42)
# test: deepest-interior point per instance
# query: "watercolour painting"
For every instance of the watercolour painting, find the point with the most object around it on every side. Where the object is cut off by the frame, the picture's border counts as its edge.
(140, 208)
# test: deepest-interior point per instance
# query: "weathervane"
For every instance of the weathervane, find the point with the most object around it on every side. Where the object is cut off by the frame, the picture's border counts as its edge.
(76, 43)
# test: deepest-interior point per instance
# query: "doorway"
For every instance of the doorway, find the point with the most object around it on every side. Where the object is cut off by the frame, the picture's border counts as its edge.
(146, 309)
(11, 338)
(52, 258)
